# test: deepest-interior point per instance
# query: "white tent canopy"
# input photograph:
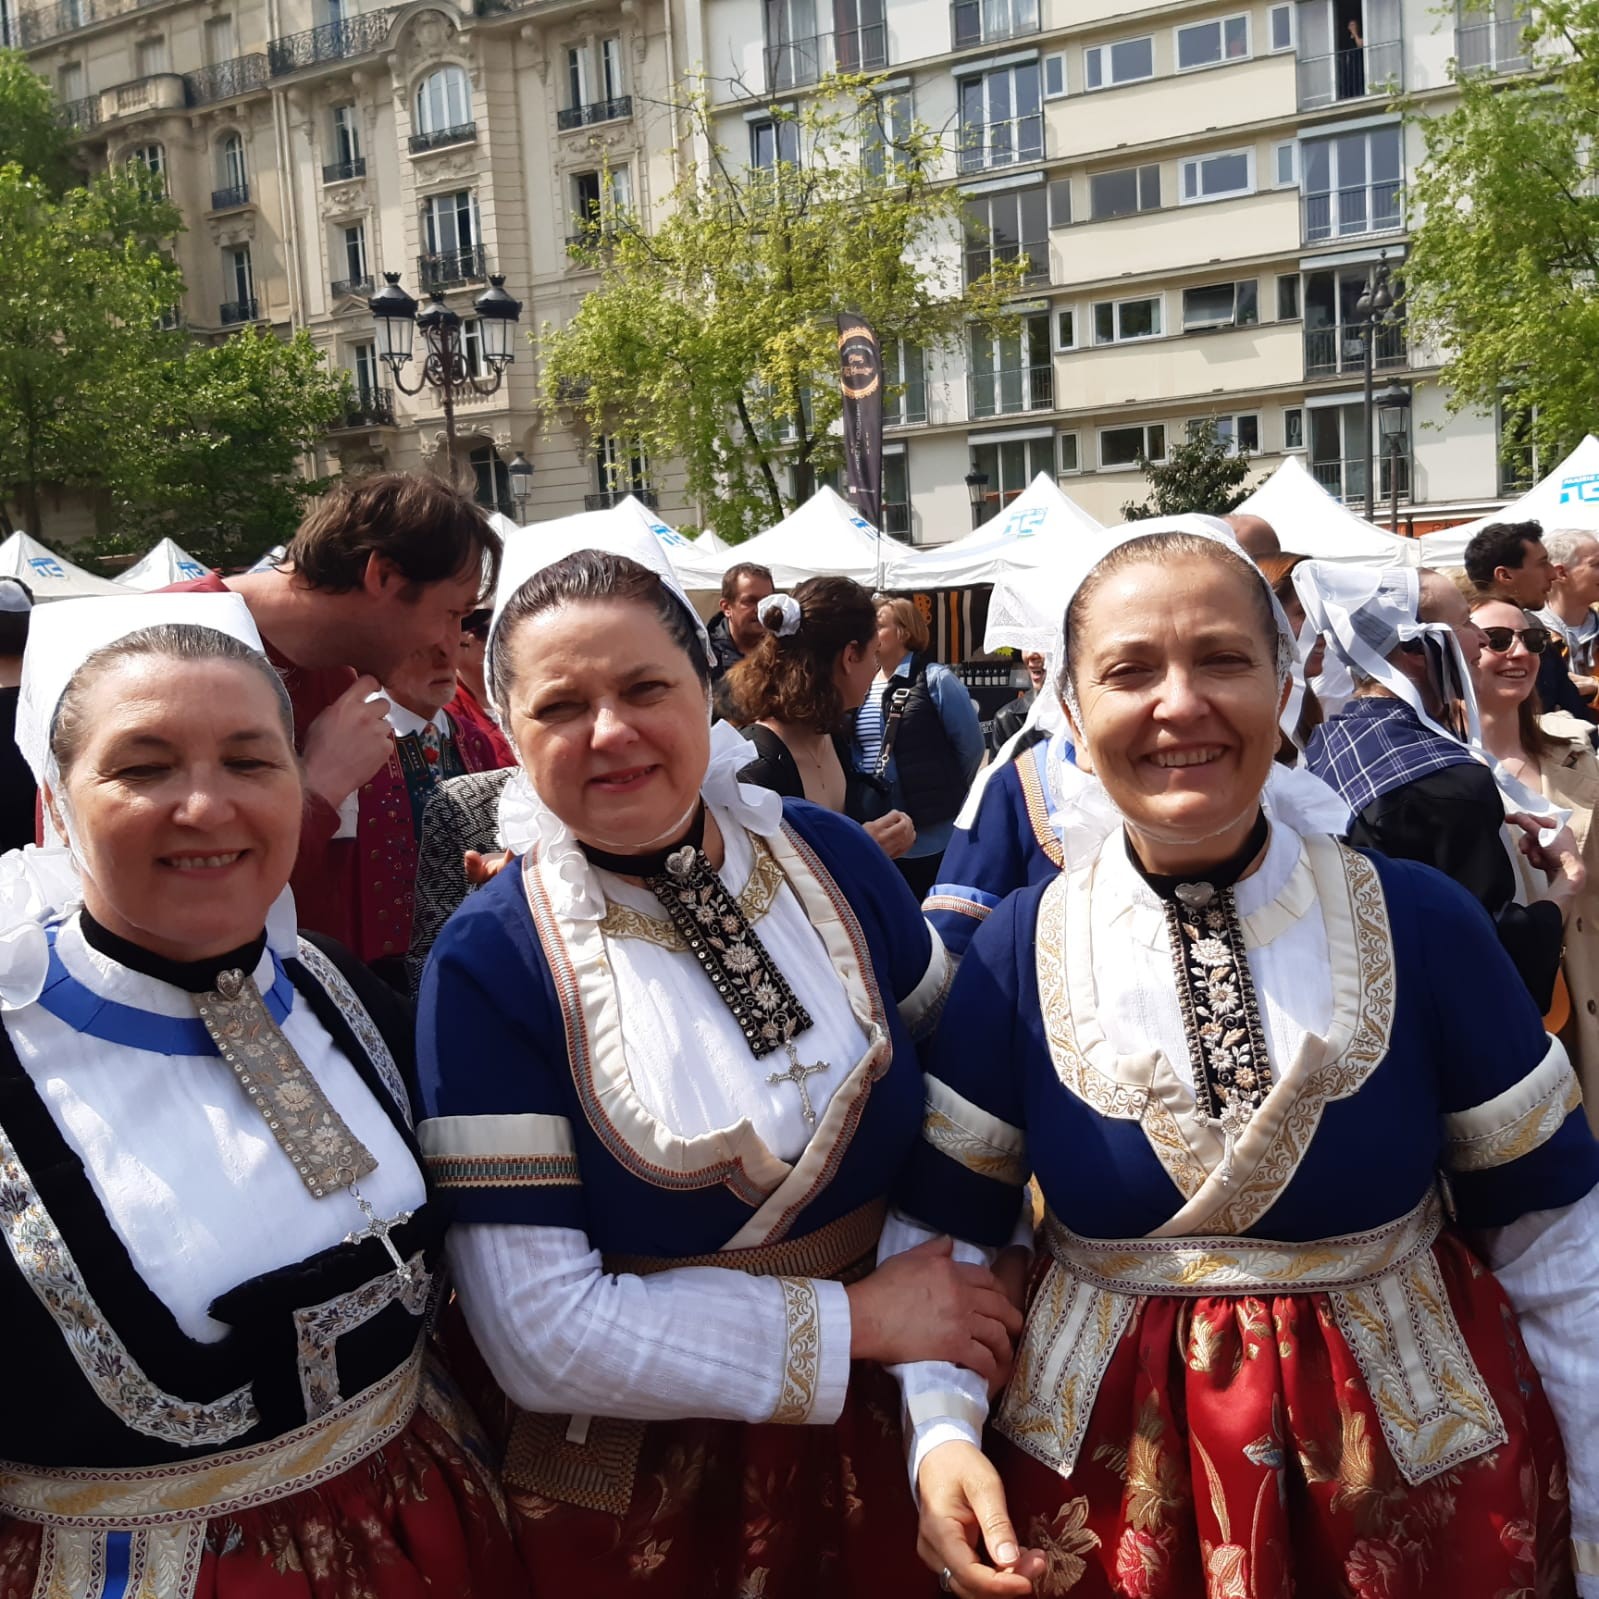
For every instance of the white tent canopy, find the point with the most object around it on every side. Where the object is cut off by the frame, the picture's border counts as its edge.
(1025, 535)
(166, 564)
(1309, 521)
(48, 575)
(824, 536)
(696, 568)
(1567, 498)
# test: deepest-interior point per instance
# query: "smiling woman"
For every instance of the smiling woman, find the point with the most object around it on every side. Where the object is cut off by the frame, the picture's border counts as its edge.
(1236, 1055)
(207, 1162)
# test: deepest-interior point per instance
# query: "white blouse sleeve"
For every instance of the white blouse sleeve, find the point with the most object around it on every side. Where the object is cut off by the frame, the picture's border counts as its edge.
(563, 1336)
(1548, 1264)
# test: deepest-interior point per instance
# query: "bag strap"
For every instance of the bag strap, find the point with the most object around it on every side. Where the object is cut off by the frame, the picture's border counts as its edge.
(896, 714)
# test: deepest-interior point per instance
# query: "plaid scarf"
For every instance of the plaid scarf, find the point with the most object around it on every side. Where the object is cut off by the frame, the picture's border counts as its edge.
(1376, 744)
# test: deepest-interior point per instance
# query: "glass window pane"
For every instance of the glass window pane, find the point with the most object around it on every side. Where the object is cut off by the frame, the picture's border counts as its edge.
(1027, 90)
(1113, 194)
(1248, 302)
(1068, 452)
(1148, 188)
(1105, 322)
(1060, 202)
(1236, 33)
(1293, 429)
(1199, 45)
(1065, 329)
(1249, 434)
(1385, 155)
(1120, 446)
(1225, 174)
(1282, 28)
(1317, 168)
(1287, 298)
(1209, 306)
(1139, 318)
(1132, 59)
(1155, 444)
(1054, 75)
(1091, 68)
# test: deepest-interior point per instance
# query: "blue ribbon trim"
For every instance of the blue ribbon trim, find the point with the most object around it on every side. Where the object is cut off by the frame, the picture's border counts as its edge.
(85, 1011)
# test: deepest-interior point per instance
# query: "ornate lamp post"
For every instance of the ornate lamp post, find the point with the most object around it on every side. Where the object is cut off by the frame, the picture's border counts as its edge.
(1372, 311)
(1393, 413)
(395, 319)
(520, 472)
(976, 492)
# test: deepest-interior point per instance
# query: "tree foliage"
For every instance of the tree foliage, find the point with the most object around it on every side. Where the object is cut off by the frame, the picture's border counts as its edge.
(711, 340)
(1503, 269)
(1199, 475)
(31, 135)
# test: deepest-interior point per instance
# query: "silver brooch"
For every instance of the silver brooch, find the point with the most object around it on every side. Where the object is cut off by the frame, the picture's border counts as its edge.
(230, 984)
(1196, 896)
(681, 861)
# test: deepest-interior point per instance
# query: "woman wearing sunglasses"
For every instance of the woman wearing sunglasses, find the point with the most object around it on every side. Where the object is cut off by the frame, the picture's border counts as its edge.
(1552, 753)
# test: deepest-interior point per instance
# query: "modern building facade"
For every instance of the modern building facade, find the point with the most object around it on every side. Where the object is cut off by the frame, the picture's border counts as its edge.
(1200, 191)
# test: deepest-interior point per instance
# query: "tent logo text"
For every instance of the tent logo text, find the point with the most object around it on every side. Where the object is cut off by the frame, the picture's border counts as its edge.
(1583, 490)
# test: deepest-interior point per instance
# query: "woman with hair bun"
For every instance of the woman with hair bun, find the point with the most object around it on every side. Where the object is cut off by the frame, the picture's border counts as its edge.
(798, 690)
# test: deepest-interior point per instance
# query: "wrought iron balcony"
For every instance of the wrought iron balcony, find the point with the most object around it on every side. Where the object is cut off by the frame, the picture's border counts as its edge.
(1491, 47)
(371, 408)
(1346, 480)
(51, 21)
(1330, 351)
(230, 199)
(80, 114)
(333, 41)
(343, 171)
(445, 268)
(792, 63)
(241, 75)
(1011, 389)
(461, 133)
(1348, 213)
(604, 500)
(238, 311)
(981, 258)
(986, 22)
(343, 288)
(1351, 74)
(585, 116)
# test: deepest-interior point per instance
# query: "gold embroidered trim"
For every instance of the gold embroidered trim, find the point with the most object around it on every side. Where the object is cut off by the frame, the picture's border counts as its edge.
(1520, 1136)
(315, 1137)
(802, 1368)
(48, 1268)
(971, 1137)
(318, 1328)
(163, 1562)
(755, 900)
(1037, 801)
(361, 1024)
(960, 907)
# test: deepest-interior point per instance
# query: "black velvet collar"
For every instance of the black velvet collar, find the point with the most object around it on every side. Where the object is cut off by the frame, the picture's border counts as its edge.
(653, 862)
(198, 977)
(1222, 875)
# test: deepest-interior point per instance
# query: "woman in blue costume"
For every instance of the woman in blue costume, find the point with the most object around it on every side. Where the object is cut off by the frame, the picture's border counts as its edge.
(668, 1069)
(1320, 1268)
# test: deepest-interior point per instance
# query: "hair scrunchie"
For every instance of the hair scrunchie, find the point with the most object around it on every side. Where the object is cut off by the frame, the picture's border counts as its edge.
(787, 618)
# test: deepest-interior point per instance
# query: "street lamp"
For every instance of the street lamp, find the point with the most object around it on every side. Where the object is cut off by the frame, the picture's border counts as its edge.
(520, 472)
(395, 319)
(976, 492)
(1373, 310)
(1393, 414)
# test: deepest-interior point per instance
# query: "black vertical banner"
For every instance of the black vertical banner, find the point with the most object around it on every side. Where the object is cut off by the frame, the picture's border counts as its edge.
(860, 364)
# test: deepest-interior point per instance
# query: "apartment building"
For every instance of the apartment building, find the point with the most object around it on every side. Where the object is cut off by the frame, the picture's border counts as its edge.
(1200, 191)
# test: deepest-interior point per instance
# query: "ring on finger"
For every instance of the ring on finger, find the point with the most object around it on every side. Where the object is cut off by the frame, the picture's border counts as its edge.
(946, 1581)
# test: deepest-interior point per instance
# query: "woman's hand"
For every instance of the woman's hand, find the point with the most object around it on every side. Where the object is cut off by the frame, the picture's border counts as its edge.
(893, 833)
(1559, 860)
(481, 869)
(925, 1305)
(963, 1501)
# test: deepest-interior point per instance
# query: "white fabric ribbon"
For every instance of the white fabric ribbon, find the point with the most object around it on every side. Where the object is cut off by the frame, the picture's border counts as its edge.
(789, 614)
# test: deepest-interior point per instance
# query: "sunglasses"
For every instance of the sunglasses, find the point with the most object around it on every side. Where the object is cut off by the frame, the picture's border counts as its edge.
(1535, 640)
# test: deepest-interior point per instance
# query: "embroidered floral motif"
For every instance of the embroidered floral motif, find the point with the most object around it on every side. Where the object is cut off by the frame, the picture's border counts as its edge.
(360, 1022)
(803, 1366)
(318, 1329)
(755, 900)
(1064, 1540)
(47, 1266)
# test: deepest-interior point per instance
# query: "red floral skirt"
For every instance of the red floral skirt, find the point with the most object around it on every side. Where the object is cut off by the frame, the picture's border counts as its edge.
(413, 1520)
(727, 1510)
(1235, 1453)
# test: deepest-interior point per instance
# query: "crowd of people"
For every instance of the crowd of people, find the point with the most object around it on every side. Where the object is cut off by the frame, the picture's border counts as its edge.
(507, 1090)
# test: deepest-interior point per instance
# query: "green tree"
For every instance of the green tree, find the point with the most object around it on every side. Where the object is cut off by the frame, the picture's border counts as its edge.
(31, 134)
(712, 341)
(1503, 269)
(1199, 475)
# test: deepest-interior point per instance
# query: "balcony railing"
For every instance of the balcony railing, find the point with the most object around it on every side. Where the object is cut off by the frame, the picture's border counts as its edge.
(1491, 47)
(461, 133)
(606, 498)
(343, 171)
(80, 114)
(981, 258)
(343, 288)
(1002, 144)
(230, 199)
(161, 91)
(226, 79)
(1351, 74)
(238, 311)
(897, 519)
(445, 268)
(1330, 351)
(793, 63)
(987, 21)
(333, 41)
(371, 408)
(1022, 388)
(585, 116)
(51, 21)
(1346, 480)
(1347, 213)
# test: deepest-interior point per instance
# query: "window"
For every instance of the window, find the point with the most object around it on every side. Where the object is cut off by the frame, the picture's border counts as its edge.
(1010, 465)
(1521, 462)
(493, 480)
(1123, 446)
(1002, 118)
(860, 35)
(1066, 329)
(221, 43)
(577, 76)
(1237, 433)
(1288, 297)
(1281, 21)
(472, 348)
(1007, 227)
(346, 134)
(1060, 202)
(1214, 177)
(1054, 76)
(905, 379)
(885, 132)
(1351, 183)
(238, 277)
(792, 46)
(1118, 321)
(364, 369)
(69, 82)
(355, 251)
(1335, 331)
(1293, 428)
(450, 231)
(618, 470)
(1489, 36)
(611, 69)
(1206, 44)
(774, 139)
(1120, 193)
(1069, 460)
(1285, 164)
(896, 493)
(152, 157)
(1012, 371)
(1127, 61)
(443, 101)
(150, 58)
(585, 204)
(8, 27)
(1222, 305)
(982, 21)
(231, 168)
